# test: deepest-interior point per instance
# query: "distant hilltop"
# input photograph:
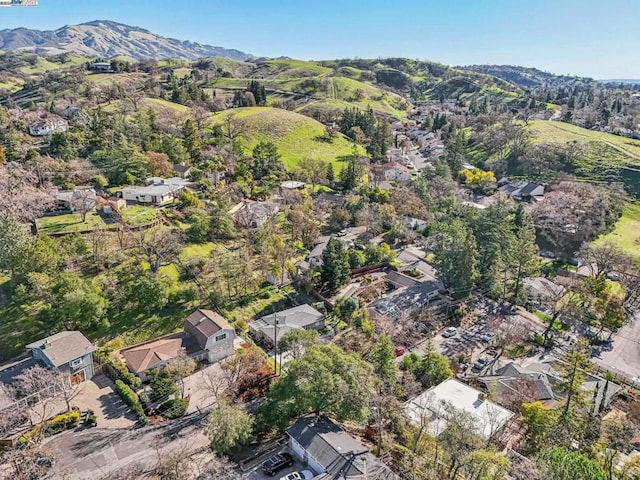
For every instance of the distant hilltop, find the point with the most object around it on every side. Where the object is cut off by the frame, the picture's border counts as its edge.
(106, 39)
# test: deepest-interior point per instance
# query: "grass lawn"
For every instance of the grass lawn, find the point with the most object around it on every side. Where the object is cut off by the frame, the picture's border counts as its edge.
(139, 214)
(626, 233)
(295, 135)
(158, 102)
(70, 222)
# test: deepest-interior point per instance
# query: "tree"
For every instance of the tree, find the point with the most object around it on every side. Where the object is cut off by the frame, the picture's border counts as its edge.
(189, 199)
(191, 139)
(180, 368)
(313, 170)
(382, 358)
(485, 465)
(83, 201)
(228, 427)
(159, 164)
(159, 245)
(266, 160)
(324, 380)
(430, 369)
(455, 255)
(335, 270)
(562, 463)
(13, 242)
(522, 255)
(297, 341)
(147, 293)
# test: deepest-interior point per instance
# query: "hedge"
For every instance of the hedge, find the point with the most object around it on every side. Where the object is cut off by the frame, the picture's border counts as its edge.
(57, 424)
(174, 408)
(130, 398)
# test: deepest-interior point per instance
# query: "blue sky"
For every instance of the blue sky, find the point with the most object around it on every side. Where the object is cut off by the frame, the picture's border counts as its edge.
(596, 38)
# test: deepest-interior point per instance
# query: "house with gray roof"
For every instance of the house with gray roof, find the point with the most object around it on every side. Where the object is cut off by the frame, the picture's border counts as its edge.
(266, 329)
(331, 453)
(544, 379)
(158, 191)
(69, 352)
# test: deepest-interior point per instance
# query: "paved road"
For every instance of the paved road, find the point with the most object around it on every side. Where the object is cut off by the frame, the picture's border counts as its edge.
(96, 452)
(624, 358)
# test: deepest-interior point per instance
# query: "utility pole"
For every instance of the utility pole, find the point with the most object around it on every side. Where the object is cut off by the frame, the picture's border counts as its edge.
(275, 343)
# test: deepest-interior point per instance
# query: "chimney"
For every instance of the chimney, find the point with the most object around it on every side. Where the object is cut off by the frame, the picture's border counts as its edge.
(482, 396)
(46, 344)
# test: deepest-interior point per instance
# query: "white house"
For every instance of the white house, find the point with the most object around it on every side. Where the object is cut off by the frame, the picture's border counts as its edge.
(158, 192)
(436, 406)
(48, 126)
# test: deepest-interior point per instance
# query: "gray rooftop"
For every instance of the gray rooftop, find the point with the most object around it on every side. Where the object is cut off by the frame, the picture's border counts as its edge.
(298, 317)
(63, 347)
(332, 447)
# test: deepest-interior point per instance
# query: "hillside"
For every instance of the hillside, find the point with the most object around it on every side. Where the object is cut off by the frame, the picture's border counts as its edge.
(107, 39)
(526, 77)
(602, 157)
(295, 135)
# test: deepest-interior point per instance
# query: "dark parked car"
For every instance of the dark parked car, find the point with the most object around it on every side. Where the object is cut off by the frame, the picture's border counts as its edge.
(276, 463)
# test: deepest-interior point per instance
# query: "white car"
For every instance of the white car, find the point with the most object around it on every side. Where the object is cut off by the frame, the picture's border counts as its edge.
(487, 336)
(450, 332)
(303, 475)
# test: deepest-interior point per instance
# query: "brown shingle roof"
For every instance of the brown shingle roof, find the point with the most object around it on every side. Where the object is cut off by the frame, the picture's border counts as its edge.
(149, 354)
(208, 322)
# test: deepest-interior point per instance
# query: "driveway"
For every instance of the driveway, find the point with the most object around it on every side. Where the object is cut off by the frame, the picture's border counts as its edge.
(98, 452)
(98, 394)
(624, 358)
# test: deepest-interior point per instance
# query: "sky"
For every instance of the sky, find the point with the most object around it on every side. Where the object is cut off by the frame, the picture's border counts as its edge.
(593, 38)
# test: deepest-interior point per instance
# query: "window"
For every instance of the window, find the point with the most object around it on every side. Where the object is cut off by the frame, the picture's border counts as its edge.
(221, 337)
(76, 362)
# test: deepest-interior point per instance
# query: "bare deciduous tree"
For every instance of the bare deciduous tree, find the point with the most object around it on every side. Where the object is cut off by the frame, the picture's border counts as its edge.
(179, 368)
(159, 245)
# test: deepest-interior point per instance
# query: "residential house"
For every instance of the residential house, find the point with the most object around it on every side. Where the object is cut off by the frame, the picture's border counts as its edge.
(270, 327)
(251, 214)
(292, 185)
(213, 334)
(393, 172)
(216, 176)
(182, 170)
(47, 126)
(331, 200)
(544, 380)
(521, 190)
(80, 199)
(435, 407)
(413, 223)
(315, 256)
(157, 192)
(542, 289)
(331, 453)
(69, 352)
(76, 115)
(206, 336)
(101, 66)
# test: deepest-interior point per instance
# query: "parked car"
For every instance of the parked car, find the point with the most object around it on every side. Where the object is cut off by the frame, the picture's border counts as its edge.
(303, 475)
(46, 462)
(341, 233)
(487, 336)
(450, 332)
(480, 364)
(399, 351)
(276, 463)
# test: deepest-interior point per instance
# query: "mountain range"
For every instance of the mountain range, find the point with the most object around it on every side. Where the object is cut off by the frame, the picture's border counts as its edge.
(106, 39)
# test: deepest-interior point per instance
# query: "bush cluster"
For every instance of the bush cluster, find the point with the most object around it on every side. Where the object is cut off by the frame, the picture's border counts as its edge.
(130, 398)
(174, 408)
(57, 424)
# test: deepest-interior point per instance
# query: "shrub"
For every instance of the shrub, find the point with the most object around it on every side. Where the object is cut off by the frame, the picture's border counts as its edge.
(174, 408)
(57, 424)
(162, 386)
(130, 398)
